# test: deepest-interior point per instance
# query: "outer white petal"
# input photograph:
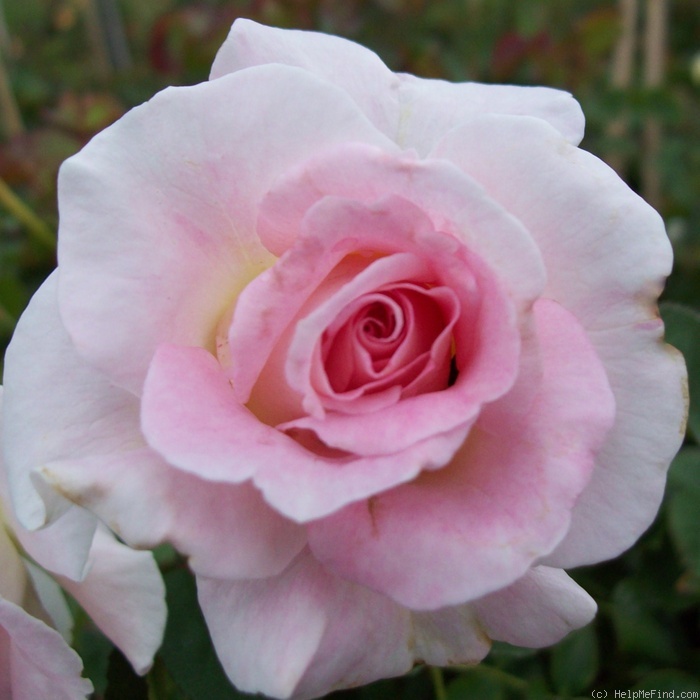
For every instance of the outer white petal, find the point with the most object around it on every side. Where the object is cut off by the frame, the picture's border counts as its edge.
(354, 68)
(157, 213)
(537, 610)
(412, 111)
(304, 633)
(452, 635)
(49, 411)
(62, 546)
(37, 661)
(124, 594)
(430, 108)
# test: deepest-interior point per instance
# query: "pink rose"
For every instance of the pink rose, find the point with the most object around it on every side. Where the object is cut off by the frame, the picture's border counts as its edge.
(120, 588)
(380, 355)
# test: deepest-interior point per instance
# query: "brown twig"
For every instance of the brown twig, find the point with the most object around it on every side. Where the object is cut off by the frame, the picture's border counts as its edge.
(655, 39)
(622, 75)
(9, 111)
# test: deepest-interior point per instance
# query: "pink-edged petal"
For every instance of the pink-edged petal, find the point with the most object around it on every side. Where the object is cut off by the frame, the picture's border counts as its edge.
(486, 334)
(327, 258)
(304, 633)
(354, 68)
(487, 330)
(54, 406)
(650, 385)
(298, 483)
(477, 525)
(452, 201)
(37, 661)
(451, 635)
(157, 233)
(431, 108)
(537, 610)
(607, 255)
(124, 595)
(301, 361)
(226, 530)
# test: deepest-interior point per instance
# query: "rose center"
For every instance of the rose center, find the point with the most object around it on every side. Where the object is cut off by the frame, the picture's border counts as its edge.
(393, 337)
(379, 322)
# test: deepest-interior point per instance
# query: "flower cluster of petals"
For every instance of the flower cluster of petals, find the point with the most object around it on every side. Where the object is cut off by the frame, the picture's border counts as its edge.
(380, 355)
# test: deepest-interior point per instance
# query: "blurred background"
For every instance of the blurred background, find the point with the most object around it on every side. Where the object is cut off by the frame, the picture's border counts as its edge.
(68, 68)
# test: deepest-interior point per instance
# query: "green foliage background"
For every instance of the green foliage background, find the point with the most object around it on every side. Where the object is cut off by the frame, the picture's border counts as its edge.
(65, 84)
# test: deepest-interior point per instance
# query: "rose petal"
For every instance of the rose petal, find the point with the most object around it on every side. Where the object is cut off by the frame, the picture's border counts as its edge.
(333, 229)
(355, 69)
(306, 633)
(453, 202)
(225, 530)
(157, 232)
(299, 484)
(64, 418)
(431, 108)
(46, 601)
(487, 330)
(303, 365)
(451, 635)
(624, 494)
(589, 226)
(537, 610)
(124, 595)
(61, 547)
(412, 111)
(479, 523)
(52, 408)
(585, 220)
(36, 661)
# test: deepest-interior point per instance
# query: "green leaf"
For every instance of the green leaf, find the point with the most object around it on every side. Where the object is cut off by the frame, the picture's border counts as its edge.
(122, 682)
(685, 470)
(95, 650)
(683, 332)
(683, 524)
(574, 662)
(684, 506)
(187, 650)
(475, 684)
(669, 680)
(640, 632)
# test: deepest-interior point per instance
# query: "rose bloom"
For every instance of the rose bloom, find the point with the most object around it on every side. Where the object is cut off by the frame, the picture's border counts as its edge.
(120, 588)
(380, 355)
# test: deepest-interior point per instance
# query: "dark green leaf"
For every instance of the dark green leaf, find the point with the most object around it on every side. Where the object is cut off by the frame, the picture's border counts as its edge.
(669, 680)
(574, 662)
(684, 506)
(95, 650)
(187, 650)
(122, 682)
(476, 683)
(639, 630)
(685, 470)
